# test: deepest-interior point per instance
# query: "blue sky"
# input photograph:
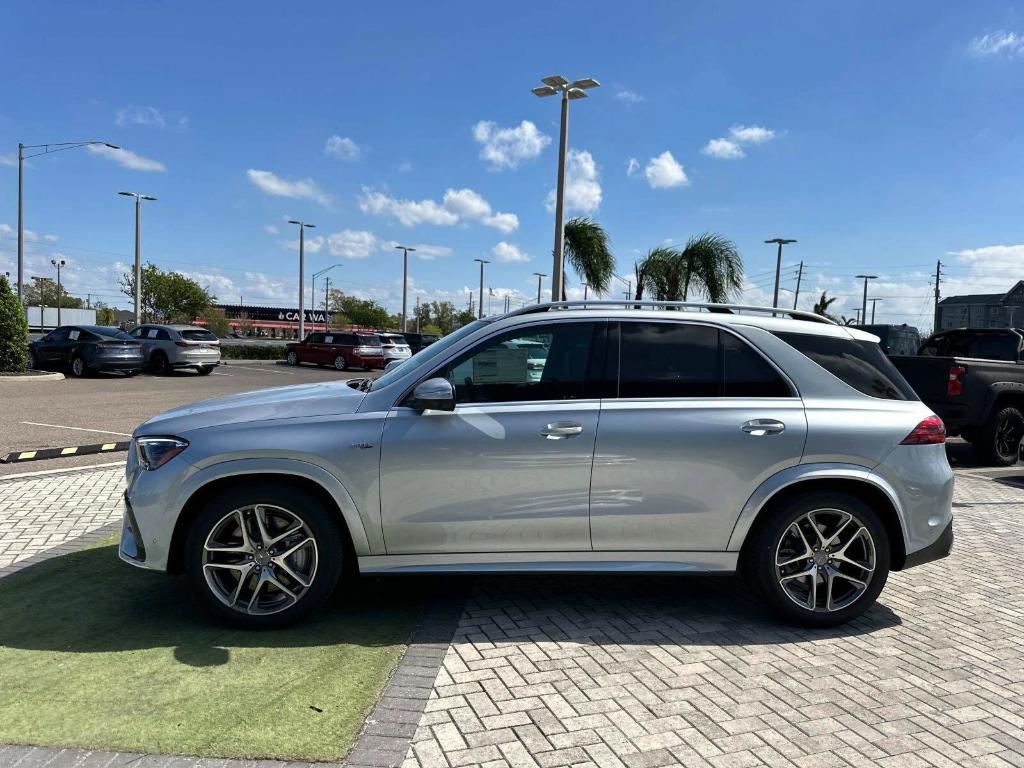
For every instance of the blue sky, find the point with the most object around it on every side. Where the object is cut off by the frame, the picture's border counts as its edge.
(882, 136)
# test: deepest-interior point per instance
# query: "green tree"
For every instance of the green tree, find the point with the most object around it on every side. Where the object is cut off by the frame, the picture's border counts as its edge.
(43, 292)
(822, 305)
(13, 331)
(435, 314)
(465, 317)
(216, 321)
(104, 314)
(361, 312)
(168, 296)
(587, 251)
(708, 263)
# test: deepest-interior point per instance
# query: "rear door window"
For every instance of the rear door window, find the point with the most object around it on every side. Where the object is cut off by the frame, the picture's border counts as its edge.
(859, 364)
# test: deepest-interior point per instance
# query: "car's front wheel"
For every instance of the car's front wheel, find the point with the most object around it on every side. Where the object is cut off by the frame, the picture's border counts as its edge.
(204, 370)
(820, 559)
(293, 358)
(264, 555)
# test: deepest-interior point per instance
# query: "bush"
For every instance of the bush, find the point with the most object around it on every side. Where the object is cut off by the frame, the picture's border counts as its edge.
(13, 331)
(252, 351)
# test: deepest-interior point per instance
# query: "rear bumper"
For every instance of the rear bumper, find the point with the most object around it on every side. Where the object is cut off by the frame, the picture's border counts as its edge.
(937, 550)
(185, 363)
(101, 364)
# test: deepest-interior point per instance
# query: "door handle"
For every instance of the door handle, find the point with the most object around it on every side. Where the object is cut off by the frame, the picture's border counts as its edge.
(762, 427)
(559, 430)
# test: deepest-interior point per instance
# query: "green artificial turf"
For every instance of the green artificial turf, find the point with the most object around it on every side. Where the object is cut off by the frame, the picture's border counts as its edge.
(96, 654)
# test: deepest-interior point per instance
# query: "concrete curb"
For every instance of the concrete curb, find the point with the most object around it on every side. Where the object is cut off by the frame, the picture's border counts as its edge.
(35, 377)
(252, 362)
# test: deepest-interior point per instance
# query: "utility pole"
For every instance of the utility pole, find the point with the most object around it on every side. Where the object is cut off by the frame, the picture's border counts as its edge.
(480, 313)
(799, 279)
(417, 314)
(138, 250)
(327, 303)
(302, 277)
(405, 283)
(58, 263)
(471, 305)
(864, 305)
(540, 277)
(938, 279)
(874, 303)
(780, 241)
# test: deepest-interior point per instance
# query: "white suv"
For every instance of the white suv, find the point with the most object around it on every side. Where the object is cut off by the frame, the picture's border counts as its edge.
(663, 438)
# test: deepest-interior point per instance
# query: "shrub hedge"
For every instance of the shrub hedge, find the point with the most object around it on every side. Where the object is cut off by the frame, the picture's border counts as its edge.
(252, 351)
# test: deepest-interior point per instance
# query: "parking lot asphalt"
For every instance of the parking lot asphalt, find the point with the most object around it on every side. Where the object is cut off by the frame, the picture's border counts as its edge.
(106, 408)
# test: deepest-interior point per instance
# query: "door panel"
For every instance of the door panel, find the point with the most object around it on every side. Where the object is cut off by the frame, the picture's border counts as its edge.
(674, 474)
(485, 478)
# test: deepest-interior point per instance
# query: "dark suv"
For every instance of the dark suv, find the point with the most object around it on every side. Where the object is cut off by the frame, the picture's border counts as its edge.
(342, 349)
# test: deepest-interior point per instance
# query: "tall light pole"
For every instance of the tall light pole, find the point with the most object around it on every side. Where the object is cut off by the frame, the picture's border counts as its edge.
(58, 263)
(480, 312)
(629, 285)
(781, 241)
(302, 278)
(874, 303)
(405, 282)
(138, 250)
(22, 157)
(312, 288)
(577, 89)
(540, 277)
(864, 305)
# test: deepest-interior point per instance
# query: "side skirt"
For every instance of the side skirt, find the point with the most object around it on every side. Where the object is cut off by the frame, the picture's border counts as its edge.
(552, 562)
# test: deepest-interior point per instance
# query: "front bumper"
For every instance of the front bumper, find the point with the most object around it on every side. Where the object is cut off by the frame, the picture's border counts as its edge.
(937, 550)
(132, 548)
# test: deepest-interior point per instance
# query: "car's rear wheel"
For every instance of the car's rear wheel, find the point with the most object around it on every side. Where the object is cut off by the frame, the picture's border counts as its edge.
(33, 364)
(340, 363)
(159, 363)
(998, 440)
(204, 370)
(77, 367)
(292, 358)
(820, 559)
(263, 556)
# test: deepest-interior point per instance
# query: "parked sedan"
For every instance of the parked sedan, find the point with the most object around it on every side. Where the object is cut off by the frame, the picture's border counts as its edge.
(342, 349)
(84, 349)
(166, 347)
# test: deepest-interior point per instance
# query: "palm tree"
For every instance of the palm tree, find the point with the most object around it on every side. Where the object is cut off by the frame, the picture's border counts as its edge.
(821, 305)
(709, 263)
(587, 251)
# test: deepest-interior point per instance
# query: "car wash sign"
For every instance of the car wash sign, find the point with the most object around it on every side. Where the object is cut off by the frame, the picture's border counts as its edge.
(312, 316)
(271, 314)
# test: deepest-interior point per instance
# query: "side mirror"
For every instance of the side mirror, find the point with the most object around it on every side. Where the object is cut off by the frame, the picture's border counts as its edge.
(392, 364)
(435, 395)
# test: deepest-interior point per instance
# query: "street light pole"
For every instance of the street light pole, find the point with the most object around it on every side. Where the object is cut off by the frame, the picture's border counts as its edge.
(864, 305)
(302, 278)
(781, 241)
(555, 84)
(405, 283)
(58, 263)
(138, 250)
(874, 303)
(312, 288)
(480, 312)
(540, 277)
(22, 157)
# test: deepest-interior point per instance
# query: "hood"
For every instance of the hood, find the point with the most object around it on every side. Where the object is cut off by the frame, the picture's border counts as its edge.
(329, 398)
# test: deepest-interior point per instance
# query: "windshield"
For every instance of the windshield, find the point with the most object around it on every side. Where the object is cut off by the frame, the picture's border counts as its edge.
(424, 356)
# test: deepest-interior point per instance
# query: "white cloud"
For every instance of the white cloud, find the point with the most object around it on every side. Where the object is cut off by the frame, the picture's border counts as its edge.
(632, 166)
(126, 158)
(628, 96)
(723, 149)
(508, 147)
(731, 148)
(271, 229)
(342, 148)
(458, 205)
(300, 189)
(431, 252)
(313, 244)
(10, 159)
(404, 167)
(663, 172)
(997, 44)
(148, 116)
(353, 244)
(506, 252)
(582, 183)
(30, 235)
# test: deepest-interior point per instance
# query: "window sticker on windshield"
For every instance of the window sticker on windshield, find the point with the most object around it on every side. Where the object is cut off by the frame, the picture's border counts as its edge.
(151, 334)
(329, 340)
(74, 335)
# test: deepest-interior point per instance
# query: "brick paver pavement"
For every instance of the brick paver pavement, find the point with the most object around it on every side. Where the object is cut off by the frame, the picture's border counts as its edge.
(650, 671)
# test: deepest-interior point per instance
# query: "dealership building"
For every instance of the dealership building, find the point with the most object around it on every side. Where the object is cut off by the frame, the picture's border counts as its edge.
(275, 322)
(982, 310)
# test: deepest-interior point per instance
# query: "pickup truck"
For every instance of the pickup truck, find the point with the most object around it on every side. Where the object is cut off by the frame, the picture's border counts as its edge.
(973, 379)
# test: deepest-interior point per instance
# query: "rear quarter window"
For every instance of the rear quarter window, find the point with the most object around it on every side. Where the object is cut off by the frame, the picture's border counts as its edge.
(859, 364)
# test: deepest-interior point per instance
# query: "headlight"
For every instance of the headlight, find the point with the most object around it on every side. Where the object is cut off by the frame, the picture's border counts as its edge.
(154, 452)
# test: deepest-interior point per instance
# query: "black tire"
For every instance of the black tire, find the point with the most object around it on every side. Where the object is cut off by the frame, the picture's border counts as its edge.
(159, 364)
(772, 533)
(340, 363)
(204, 370)
(292, 358)
(32, 363)
(77, 368)
(998, 439)
(130, 374)
(323, 527)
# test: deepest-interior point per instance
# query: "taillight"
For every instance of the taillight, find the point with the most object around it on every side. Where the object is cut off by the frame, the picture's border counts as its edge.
(928, 432)
(181, 344)
(955, 385)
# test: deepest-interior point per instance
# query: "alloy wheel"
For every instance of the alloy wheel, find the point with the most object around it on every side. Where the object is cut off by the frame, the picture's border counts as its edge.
(77, 366)
(260, 559)
(339, 363)
(1008, 436)
(293, 359)
(825, 560)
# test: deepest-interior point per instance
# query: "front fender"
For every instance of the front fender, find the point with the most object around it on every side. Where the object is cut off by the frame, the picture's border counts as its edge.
(800, 473)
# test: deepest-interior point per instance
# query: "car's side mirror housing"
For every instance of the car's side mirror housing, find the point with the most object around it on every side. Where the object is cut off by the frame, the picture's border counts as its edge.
(435, 395)
(392, 364)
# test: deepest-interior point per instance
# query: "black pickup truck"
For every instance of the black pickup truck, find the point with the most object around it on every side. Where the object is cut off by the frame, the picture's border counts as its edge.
(973, 378)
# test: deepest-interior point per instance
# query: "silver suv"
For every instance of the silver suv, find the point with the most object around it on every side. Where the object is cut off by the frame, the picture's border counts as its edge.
(166, 347)
(740, 438)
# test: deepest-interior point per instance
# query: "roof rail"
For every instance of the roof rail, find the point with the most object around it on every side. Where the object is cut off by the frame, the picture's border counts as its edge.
(796, 314)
